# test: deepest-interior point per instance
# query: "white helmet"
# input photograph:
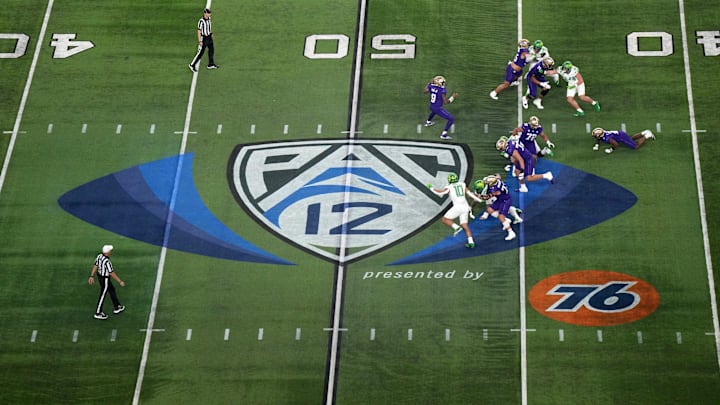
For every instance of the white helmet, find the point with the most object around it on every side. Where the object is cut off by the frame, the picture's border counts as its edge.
(439, 81)
(534, 122)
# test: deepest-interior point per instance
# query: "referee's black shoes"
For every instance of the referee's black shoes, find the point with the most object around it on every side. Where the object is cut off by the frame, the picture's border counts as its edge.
(101, 315)
(213, 66)
(119, 309)
(193, 68)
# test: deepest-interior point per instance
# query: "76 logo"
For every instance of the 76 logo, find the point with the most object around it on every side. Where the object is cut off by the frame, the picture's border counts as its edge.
(594, 298)
(609, 297)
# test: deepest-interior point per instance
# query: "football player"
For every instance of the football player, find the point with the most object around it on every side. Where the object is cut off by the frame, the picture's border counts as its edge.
(528, 133)
(438, 99)
(497, 189)
(615, 138)
(523, 162)
(457, 190)
(537, 52)
(514, 69)
(535, 78)
(481, 190)
(576, 85)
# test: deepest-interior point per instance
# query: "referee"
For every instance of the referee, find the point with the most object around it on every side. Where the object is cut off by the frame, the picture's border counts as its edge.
(205, 40)
(104, 269)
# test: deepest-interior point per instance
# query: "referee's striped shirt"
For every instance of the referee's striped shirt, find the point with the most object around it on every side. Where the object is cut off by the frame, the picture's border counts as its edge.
(104, 266)
(205, 27)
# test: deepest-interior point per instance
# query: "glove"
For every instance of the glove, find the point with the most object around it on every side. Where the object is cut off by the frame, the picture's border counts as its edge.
(550, 144)
(545, 85)
(609, 150)
(596, 147)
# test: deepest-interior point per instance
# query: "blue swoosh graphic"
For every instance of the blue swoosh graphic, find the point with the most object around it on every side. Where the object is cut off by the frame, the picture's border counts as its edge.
(135, 203)
(577, 200)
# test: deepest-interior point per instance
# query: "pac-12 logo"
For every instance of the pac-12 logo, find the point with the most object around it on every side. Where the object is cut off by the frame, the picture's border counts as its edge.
(594, 298)
(344, 199)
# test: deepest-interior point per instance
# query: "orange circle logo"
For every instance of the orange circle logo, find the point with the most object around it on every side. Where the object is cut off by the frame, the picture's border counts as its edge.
(594, 298)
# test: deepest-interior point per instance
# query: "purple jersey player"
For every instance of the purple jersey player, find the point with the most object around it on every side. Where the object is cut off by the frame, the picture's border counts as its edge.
(514, 69)
(523, 161)
(495, 187)
(614, 138)
(438, 99)
(528, 133)
(535, 77)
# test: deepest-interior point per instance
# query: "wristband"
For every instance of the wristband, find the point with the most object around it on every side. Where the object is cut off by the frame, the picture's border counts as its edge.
(451, 99)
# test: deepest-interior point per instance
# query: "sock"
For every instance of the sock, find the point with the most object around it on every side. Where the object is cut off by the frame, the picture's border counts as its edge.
(455, 227)
(470, 240)
(581, 110)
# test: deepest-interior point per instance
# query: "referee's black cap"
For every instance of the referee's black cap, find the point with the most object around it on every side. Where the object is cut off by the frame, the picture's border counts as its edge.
(207, 10)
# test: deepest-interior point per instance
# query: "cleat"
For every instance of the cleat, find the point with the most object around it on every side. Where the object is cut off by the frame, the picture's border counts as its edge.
(193, 68)
(213, 66)
(511, 235)
(525, 102)
(648, 134)
(119, 309)
(493, 95)
(470, 214)
(550, 177)
(100, 316)
(457, 231)
(538, 103)
(523, 188)
(517, 220)
(445, 137)
(596, 106)
(469, 245)
(579, 114)
(429, 123)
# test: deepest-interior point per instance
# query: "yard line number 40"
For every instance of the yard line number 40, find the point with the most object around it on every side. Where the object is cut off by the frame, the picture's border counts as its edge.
(388, 46)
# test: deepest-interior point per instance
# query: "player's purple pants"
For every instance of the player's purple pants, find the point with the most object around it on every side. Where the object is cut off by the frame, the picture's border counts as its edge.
(533, 88)
(512, 75)
(625, 139)
(443, 113)
(529, 163)
(502, 204)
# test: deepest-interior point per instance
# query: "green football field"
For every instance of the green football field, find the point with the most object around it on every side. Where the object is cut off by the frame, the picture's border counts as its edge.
(271, 220)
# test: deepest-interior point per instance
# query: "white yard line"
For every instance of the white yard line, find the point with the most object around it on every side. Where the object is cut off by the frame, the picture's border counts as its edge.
(166, 236)
(521, 256)
(699, 182)
(339, 282)
(18, 119)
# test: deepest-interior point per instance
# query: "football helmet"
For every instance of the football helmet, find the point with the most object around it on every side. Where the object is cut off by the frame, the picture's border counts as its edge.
(439, 81)
(538, 44)
(479, 186)
(548, 63)
(452, 178)
(534, 122)
(597, 133)
(567, 65)
(501, 143)
(491, 180)
(524, 43)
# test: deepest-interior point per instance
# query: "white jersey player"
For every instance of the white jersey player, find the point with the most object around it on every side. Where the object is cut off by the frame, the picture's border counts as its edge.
(576, 85)
(457, 190)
